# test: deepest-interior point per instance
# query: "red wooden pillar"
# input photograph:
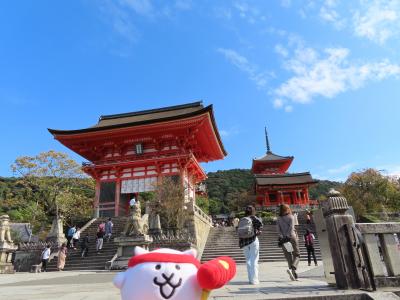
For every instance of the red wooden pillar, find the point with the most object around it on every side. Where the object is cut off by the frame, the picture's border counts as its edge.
(306, 196)
(266, 201)
(117, 196)
(294, 195)
(96, 199)
(280, 198)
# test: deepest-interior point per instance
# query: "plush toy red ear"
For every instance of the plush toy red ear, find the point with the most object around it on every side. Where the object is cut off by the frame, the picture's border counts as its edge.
(216, 273)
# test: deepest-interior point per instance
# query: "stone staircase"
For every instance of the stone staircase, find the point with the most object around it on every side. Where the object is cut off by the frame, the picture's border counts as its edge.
(224, 241)
(93, 261)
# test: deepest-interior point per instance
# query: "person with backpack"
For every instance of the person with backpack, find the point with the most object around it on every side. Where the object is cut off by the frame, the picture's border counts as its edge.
(288, 239)
(248, 229)
(309, 243)
(76, 237)
(70, 235)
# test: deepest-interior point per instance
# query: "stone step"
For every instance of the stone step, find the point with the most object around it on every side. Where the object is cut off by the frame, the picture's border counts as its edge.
(224, 241)
(93, 261)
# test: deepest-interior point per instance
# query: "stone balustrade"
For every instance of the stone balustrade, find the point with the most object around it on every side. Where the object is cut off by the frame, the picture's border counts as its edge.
(201, 214)
(382, 246)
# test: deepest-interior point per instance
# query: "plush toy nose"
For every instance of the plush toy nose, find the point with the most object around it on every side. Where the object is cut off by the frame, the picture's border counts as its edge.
(217, 272)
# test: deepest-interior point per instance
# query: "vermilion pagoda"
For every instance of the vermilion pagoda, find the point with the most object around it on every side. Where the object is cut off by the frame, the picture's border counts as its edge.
(274, 186)
(129, 152)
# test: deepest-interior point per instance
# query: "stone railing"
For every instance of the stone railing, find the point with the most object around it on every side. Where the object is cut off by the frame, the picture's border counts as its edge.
(201, 214)
(29, 246)
(381, 244)
(199, 227)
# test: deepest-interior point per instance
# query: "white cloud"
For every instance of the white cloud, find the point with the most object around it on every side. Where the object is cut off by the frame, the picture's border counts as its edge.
(288, 108)
(390, 170)
(328, 74)
(141, 7)
(223, 132)
(282, 51)
(329, 14)
(377, 20)
(342, 169)
(286, 3)
(249, 13)
(183, 4)
(278, 103)
(122, 14)
(120, 20)
(226, 133)
(241, 62)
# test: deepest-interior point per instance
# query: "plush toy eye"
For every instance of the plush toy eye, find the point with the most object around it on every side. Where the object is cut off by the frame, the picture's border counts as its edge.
(158, 267)
(178, 267)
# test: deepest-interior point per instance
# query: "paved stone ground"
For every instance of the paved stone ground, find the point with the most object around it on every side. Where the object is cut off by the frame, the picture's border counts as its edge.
(274, 284)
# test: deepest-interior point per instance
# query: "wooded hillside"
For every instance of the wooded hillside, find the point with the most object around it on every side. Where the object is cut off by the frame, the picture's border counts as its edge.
(224, 186)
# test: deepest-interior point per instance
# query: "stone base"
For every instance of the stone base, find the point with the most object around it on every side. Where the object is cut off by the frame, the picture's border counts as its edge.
(6, 251)
(126, 247)
(7, 246)
(6, 268)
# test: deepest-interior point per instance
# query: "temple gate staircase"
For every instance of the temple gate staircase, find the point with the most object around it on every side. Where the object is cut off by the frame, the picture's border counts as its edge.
(93, 261)
(223, 241)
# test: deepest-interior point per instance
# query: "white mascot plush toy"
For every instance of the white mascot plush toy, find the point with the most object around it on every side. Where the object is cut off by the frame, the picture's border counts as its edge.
(170, 274)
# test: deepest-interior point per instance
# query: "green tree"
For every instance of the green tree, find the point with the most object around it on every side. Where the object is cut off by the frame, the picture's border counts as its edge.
(55, 183)
(215, 206)
(203, 203)
(238, 200)
(369, 191)
(169, 195)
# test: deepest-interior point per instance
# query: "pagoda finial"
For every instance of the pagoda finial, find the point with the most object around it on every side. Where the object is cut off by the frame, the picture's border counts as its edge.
(267, 140)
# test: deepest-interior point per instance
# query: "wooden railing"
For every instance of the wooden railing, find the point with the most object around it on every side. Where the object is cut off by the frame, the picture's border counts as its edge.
(381, 244)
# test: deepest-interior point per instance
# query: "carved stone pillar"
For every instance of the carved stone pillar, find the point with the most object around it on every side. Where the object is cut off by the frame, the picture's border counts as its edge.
(56, 234)
(350, 269)
(7, 247)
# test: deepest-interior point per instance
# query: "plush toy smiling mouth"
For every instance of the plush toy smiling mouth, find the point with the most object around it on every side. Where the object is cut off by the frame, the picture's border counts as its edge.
(169, 286)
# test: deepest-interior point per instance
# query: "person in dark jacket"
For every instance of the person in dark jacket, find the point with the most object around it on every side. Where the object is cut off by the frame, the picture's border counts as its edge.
(250, 245)
(99, 241)
(85, 246)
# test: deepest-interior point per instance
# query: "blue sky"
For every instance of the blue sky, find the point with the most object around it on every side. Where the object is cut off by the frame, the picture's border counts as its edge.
(323, 76)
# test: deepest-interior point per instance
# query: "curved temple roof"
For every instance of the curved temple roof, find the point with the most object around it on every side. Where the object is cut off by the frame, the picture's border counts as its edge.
(273, 157)
(169, 114)
(285, 179)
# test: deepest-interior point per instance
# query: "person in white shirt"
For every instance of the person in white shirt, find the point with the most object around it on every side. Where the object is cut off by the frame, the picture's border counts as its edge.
(45, 257)
(235, 223)
(132, 202)
(76, 237)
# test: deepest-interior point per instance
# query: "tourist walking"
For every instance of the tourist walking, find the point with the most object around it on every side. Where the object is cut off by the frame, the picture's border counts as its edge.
(85, 246)
(99, 241)
(109, 227)
(76, 237)
(309, 243)
(248, 229)
(235, 223)
(61, 257)
(288, 239)
(45, 257)
(70, 235)
(102, 226)
(296, 218)
(308, 217)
